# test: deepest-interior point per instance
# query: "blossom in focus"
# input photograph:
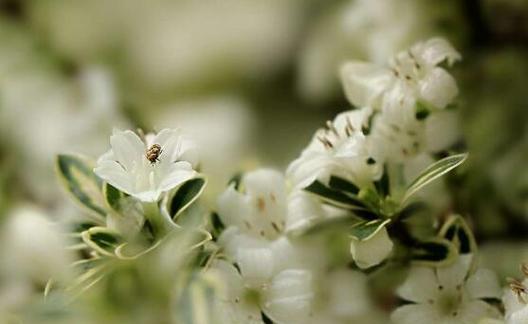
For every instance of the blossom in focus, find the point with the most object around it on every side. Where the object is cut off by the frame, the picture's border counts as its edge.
(343, 149)
(450, 294)
(127, 167)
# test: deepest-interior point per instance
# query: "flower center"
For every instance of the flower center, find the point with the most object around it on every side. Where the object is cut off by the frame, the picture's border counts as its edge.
(449, 303)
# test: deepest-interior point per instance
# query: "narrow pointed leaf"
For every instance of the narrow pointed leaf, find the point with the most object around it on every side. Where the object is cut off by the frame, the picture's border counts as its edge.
(433, 172)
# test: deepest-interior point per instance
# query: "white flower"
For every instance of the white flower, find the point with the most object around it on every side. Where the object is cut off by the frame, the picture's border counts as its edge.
(35, 247)
(340, 149)
(412, 75)
(516, 307)
(127, 168)
(372, 250)
(259, 206)
(447, 295)
(285, 298)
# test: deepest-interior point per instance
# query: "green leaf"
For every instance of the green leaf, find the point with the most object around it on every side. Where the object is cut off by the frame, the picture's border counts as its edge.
(112, 197)
(329, 224)
(344, 185)
(184, 196)
(340, 199)
(77, 177)
(102, 240)
(434, 252)
(433, 172)
(456, 230)
(217, 226)
(366, 229)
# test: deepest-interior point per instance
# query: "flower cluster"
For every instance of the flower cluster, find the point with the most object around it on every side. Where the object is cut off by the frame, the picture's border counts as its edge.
(304, 246)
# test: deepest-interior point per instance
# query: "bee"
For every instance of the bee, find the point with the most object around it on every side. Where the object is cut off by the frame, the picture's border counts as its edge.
(518, 288)
(153, 153)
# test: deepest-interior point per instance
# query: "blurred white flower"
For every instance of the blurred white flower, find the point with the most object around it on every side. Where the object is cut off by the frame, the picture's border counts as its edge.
(258, 206)
(363, 29)
(412, 76)
(448, 295)
(285, 298)
(127, 167)
(340, 149)
(372, 250)
(35, 248)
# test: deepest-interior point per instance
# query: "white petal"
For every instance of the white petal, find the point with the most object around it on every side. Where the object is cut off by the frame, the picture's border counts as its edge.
(303, 210)
(452, 276)
(178, 173)
(233, 208)
(420, 285)
(289, 297)
(309, 167)
(127, 148)
(256, 265)
(113, 173)
(265, 181)
(231, 240)
(364, 83)
(438, 88)
(475, 311)
(519, 317)
(483, 284)
(372, 251)
(285, 254)
(513, 306)
(416, 314)
(436, 50)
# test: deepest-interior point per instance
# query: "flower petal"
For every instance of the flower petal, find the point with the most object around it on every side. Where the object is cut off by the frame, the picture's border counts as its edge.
(414, 314)
(420, 285)
(256, 265)
(483, 284)
(364, 83)
(233, 208)
(113, 173)
(127, 147)
(452, 276)
(178, 173)
(289, 297)
(303, 210)
(438, 88)
(436, 50)
(372, 251)
(477, 310)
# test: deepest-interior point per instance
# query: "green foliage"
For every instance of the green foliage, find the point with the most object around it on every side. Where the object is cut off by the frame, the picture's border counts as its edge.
(433, 172)
(77, 177)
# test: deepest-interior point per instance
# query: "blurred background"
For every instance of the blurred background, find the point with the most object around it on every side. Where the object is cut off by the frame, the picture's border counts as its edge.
(251, 81)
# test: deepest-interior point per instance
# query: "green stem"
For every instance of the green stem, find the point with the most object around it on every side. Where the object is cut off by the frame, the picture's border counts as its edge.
(160, 225)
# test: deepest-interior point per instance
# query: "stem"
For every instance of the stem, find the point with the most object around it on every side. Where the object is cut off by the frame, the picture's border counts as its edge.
(160, 225)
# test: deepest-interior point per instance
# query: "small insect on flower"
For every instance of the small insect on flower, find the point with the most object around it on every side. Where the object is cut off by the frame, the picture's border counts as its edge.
(153, 153)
